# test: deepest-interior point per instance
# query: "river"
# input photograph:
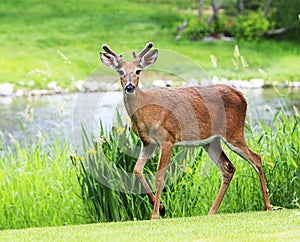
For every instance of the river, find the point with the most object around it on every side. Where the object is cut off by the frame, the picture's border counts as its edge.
(62, 115)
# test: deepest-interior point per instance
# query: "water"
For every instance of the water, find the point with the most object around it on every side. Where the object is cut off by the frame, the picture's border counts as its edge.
(62, 115)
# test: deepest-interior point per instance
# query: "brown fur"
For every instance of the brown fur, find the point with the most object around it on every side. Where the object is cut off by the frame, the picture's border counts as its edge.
(165, 117)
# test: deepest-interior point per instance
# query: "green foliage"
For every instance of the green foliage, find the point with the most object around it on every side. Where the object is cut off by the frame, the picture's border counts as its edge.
(280, 151)
(38, 185)
(196, 29)
(285, 14)
(254, 4)
(250, 26)
(192, 180)
(218, 26)
(103, 166)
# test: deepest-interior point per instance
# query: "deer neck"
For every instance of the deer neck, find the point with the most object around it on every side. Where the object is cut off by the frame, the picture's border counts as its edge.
(134, 102)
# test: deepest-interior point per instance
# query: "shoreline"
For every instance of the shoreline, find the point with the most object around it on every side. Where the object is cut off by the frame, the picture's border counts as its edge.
(7, 89)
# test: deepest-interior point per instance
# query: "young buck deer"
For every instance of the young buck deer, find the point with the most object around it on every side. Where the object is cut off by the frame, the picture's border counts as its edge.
(189, 116)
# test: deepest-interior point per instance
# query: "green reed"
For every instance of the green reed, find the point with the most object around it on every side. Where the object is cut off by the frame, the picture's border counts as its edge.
(38, 185)
(41, 186)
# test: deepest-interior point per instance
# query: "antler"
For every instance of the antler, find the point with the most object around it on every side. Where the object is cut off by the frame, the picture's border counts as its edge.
(109, 51)
(142, 53)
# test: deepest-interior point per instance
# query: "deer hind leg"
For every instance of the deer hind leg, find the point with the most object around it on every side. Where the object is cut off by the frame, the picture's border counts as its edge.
(166, 152)
(226, 168)
(144, 156)
(242, 149)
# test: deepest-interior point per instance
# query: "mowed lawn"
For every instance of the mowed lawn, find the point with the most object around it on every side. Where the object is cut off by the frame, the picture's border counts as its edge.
(282, 225)
(60, 41)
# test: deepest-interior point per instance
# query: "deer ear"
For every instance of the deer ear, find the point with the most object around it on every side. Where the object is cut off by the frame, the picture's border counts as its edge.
(109, 60)
(148, 59)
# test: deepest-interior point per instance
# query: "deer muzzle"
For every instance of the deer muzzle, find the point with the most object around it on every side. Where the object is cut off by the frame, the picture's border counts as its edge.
(129, 87)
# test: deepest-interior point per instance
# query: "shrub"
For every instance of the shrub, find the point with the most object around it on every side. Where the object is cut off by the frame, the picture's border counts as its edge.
(250, 26)
(196, 29)
(218, 26)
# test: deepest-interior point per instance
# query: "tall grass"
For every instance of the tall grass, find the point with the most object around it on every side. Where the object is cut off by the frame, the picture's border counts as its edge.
(38, 185)
(193, 180)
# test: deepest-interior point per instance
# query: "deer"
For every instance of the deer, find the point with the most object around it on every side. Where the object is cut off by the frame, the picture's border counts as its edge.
(196, 116)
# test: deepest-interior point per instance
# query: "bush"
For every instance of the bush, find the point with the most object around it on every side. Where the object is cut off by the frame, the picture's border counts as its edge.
(196, 29)
(218, 26)
(250, 26)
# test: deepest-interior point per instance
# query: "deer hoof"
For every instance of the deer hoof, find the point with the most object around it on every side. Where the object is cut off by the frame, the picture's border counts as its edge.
(162, 210)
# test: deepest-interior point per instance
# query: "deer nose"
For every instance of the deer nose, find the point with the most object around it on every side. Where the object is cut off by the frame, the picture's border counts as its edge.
(129, 88)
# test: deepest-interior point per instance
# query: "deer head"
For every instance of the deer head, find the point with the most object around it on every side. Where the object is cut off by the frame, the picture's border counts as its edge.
(129, 72)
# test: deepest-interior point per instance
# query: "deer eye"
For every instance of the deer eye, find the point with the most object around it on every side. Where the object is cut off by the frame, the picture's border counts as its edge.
(121, 72)
(137, 72)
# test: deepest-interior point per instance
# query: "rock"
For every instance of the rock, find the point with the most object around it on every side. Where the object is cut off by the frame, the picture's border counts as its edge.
(169, 83)
(19, 93)
(79, 85)
(239, 84)
(52, 85)
(295, 84)
(205, 82)
(115, 87)
(225, 38)
(215, 80)
(209, 39)
(40, 92)
(223, 80)
(257, 83)
(6, 100)
(31, 83)
(193, 82)
(92, 86)
(6, 89)
(159, 83)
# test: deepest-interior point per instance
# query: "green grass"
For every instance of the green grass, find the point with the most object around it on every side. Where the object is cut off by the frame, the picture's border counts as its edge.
(32, 33)
(38, 185)
(253, 226)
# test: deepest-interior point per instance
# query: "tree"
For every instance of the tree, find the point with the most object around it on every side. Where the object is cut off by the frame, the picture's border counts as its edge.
(241, 6)
(215, 7)
(200, 11)
(267, 7)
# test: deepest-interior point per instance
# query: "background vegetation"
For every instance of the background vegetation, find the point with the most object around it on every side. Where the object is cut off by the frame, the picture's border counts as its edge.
(60, 41)
(250, 20)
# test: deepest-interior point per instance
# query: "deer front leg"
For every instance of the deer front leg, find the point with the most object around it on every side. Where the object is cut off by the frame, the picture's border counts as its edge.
(164, 161)
(145, 154)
